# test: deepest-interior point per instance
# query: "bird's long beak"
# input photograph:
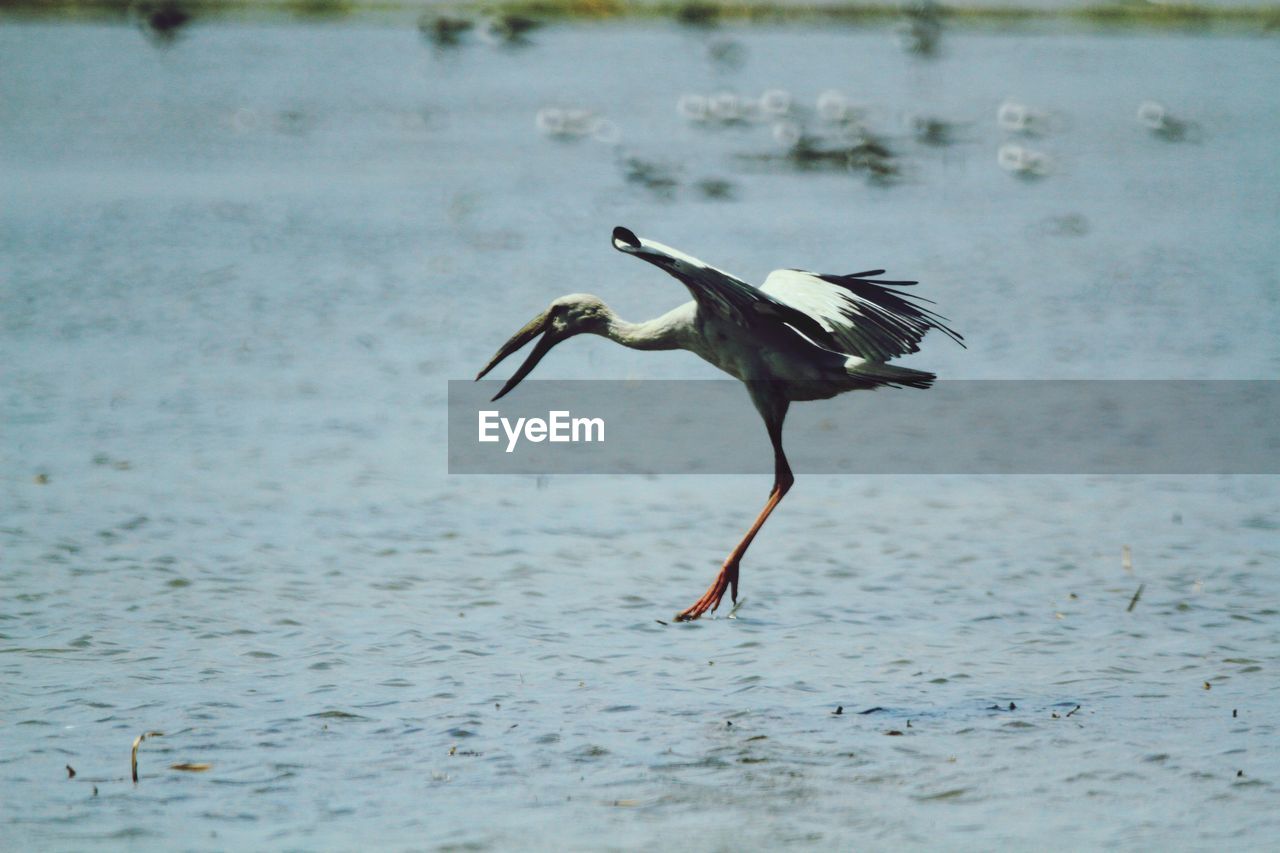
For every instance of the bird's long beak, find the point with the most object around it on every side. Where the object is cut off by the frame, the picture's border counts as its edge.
(518, 340)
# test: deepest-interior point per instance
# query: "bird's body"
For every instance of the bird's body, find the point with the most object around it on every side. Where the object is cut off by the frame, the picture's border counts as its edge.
(800, 336)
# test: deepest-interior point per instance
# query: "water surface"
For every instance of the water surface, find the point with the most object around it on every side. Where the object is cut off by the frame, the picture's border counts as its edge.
(236, 273)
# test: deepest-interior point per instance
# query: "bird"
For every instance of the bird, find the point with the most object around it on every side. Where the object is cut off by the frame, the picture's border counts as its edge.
(799, 336)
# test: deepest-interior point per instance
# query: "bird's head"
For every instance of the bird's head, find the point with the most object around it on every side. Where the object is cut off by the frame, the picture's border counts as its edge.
(565, 317)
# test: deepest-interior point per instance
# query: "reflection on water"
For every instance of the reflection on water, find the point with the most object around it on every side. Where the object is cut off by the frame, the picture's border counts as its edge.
(236, 273)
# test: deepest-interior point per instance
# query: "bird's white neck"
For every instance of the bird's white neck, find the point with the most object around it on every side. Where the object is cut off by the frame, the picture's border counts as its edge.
(660, 333)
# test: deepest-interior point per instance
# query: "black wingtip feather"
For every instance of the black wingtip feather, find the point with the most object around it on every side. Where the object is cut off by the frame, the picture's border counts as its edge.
(894, 313)
(866, 277)
(625, 236)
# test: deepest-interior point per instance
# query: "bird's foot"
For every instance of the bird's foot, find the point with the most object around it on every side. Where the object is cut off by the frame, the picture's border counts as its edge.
(726, 580)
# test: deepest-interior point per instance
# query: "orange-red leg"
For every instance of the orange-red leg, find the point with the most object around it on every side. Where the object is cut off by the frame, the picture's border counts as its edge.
(728, 576)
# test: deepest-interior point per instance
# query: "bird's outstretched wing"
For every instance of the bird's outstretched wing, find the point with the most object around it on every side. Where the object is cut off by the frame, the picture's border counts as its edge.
(867, 317)
(727, 295)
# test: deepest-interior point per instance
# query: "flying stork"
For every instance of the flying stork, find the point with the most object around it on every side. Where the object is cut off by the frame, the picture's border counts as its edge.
(799, 336)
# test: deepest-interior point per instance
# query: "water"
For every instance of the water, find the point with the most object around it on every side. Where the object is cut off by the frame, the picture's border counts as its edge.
(237, 272)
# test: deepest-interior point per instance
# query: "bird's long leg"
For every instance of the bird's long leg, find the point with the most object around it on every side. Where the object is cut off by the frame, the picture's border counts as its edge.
(727, 578)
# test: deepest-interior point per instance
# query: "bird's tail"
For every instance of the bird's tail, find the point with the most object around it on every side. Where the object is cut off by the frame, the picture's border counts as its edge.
(878, 373)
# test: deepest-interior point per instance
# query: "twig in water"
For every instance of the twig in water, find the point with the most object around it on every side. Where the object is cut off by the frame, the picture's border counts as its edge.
(1073, 710)
(1133, 602)
(133, 757)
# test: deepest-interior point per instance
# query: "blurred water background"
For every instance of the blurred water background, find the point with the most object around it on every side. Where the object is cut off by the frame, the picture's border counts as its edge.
(238, 265)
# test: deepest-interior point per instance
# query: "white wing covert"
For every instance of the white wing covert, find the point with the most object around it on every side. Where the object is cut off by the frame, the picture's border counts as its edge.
(867, 317)
(724, 294)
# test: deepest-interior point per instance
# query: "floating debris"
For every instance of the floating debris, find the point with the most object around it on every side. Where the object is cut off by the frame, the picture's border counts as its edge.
(334, 714)
(160, 22)
(1073, 710)
(1207, 685)
(191, 767)
(695, 14)
(923, 29)
(511, 30)
(655, 177)
(718, 189)
(1016, 117)
(727, 53)
(729, 109)
(876, 710)
(933, 132)
(893, 733)
(443, 31)
(660, 622)
(1023, 162)
(873, 156)
(574, 123)
(1234, 714)
(721, 108)
(1163, 124)
(118, 464)
(776, 102)
(133, 757)
(71, 772)
(1126, 558)
(1133, 602)
(852, 148)
(834, 107)
(807, 151)
(41, 479)
(1066, 225)
(838, 711)
(692, 107)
